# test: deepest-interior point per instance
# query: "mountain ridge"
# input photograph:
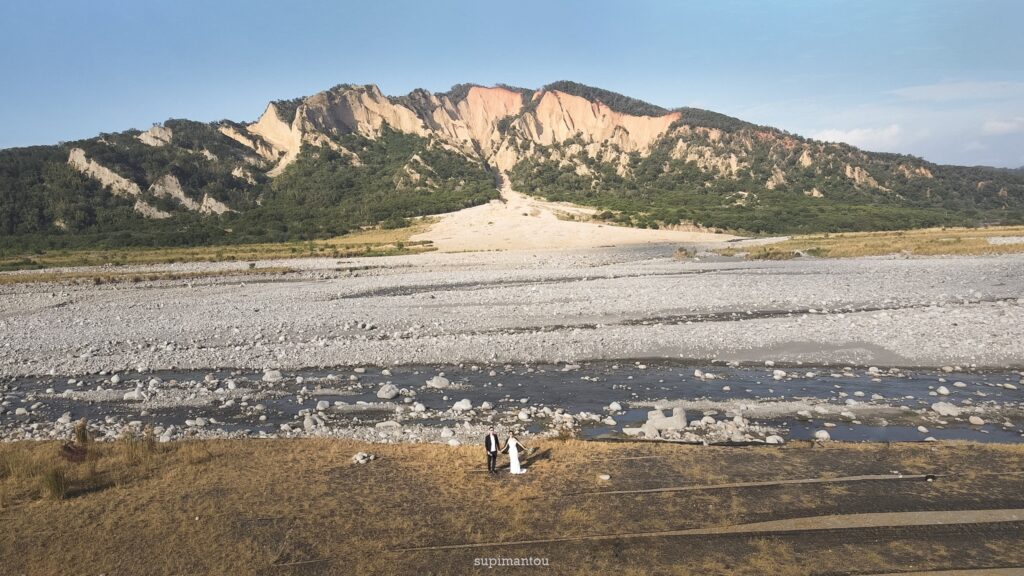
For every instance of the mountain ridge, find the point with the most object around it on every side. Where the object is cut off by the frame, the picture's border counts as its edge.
(349, 150)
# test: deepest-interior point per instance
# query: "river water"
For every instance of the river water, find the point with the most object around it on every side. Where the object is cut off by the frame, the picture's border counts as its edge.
(853, 404)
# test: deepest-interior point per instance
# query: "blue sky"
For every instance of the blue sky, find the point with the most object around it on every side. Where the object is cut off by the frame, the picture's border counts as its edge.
(939, 79)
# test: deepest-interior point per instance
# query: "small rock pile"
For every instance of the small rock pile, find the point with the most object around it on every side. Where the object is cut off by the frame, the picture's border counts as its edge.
(708, 430)
(363, 458)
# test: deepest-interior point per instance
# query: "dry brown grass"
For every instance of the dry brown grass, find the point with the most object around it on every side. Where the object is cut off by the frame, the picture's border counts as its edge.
(925, 242)
(371, 242)
(98, 277)
(273, 506)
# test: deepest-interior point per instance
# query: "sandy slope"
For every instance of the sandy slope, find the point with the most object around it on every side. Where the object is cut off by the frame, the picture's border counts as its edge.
(519, 222)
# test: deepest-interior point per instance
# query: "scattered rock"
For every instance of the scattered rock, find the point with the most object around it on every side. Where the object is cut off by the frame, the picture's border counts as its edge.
(439, 382)
(945, 409)
(134, 396)
(363, 458)
(657, 419)
(387, 392)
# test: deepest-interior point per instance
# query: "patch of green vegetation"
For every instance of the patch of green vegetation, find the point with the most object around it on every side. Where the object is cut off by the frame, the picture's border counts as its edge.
(20, 264)
(613, 100)
(286, 109)
(709, 119)
(458, 92)
(47, 205)
(664, 188)
(323, 193)
(713, 203)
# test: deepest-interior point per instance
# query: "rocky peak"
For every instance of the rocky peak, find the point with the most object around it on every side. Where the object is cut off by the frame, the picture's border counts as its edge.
(469, 119)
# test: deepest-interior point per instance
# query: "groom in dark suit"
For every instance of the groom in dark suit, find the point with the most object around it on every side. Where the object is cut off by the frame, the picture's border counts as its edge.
(492, 445)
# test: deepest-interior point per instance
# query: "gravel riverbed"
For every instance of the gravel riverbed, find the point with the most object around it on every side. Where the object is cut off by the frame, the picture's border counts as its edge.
(568, 306)
(312, 351)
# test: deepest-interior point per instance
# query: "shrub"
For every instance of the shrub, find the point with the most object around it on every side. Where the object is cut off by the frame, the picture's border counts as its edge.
(54, 483)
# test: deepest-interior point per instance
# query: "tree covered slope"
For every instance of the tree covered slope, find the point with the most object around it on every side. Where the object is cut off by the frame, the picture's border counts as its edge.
(351, 157)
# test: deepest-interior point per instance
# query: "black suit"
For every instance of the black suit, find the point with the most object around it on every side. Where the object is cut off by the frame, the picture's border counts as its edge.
(492, 444)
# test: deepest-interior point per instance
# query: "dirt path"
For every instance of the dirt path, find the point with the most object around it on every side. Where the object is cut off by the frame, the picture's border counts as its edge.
(1015, 571)
(813, 523)
(520, 222)
(839, 480)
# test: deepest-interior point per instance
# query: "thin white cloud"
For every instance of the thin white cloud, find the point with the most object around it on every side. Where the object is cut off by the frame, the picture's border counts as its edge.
(1000, 127)
(954, 91)
(881, 138)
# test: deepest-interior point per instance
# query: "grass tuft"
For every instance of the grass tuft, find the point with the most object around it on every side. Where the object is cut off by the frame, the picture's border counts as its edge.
(54, 483)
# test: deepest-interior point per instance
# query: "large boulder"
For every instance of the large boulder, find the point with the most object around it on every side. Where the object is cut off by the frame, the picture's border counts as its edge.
(133, 396)
(439, 382)
(387, 392)
(650, 431)
(946, 409)
(677, 421)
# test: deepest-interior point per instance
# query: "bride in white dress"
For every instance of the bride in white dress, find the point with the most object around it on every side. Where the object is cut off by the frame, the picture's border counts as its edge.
(512, 446)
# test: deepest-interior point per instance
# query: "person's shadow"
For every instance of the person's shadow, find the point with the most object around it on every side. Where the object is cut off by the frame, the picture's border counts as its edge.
(536, 456)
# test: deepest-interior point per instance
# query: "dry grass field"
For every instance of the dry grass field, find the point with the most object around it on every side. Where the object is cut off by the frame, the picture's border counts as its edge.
(115, 276)
(302, 507)
(371, 242)
(926, 242)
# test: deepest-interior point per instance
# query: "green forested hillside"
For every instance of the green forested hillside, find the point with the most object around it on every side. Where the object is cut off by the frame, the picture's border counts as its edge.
(323, 193)
(663, 189)
(189, 183)
(46, 204)
(613, 100)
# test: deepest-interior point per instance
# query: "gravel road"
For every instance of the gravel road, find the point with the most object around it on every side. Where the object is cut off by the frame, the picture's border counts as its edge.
(611, 303)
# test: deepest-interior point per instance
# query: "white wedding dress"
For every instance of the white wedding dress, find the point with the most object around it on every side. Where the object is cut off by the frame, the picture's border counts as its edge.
(513, 457)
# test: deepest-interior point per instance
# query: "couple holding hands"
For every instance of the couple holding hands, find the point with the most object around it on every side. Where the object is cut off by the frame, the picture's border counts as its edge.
(493, 445)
